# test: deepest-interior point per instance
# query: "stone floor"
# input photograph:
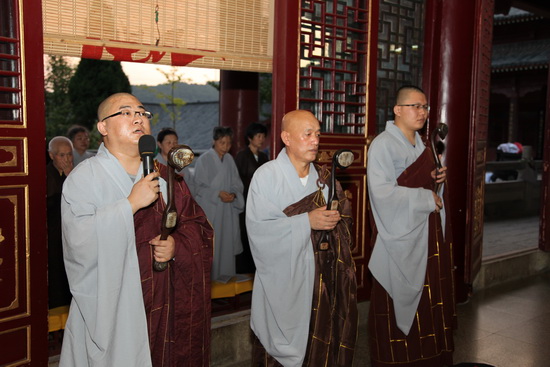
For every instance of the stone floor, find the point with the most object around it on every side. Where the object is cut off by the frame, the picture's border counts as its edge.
(511, 236)
(505, 326)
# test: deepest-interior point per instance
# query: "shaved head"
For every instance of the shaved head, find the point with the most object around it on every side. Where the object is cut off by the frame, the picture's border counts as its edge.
(404, 92)
(300, 134)
(104, 106)
(293, 118)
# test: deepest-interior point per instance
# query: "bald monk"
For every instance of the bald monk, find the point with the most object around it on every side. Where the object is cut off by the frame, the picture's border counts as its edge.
(304, 310)
(123, 313)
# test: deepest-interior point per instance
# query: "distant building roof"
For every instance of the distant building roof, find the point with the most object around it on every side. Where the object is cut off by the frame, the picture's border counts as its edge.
(195, 126)
(515, 15)
(526, 55)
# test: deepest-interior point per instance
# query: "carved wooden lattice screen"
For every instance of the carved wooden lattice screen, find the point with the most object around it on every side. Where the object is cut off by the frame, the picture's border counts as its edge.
(219, 34)
(400, 48)
(10, 73)
(334, 69)
(333, 58)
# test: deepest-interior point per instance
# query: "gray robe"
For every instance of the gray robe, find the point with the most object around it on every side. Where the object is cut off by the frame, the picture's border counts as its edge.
(77, 158)
(106, 324)
(282, 250)
(399, 258)
(211, 176)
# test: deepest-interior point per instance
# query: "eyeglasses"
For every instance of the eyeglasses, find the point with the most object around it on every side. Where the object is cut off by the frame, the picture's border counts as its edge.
(417, 106)
(129, 114)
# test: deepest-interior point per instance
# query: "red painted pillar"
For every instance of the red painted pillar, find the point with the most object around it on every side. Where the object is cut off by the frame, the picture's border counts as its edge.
(458, 72)
(239, 104)
(286, 38)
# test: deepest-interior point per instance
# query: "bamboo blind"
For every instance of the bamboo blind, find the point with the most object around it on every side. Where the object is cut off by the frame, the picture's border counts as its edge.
(218, 34)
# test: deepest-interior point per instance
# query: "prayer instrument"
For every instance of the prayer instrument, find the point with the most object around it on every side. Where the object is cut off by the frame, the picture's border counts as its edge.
(179, 157)
(342, 159)
(440, 130)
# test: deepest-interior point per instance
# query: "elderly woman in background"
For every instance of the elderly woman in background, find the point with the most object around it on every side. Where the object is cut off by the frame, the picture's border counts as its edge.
(248, 161)
(167, 138)
(80, 137)
(219, 191)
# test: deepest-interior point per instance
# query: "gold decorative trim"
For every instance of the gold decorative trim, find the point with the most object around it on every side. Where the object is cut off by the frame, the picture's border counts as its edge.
(27, 358)
(13, 149)
(8, 149)
(15, 199)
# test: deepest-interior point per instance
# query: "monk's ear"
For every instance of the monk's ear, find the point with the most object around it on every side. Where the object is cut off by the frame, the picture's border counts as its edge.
(284, 137)
(397, 110)
(102, 128)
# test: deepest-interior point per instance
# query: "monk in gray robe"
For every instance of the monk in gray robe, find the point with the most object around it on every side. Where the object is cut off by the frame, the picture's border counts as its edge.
(123, 313)
(219, 191)
(304, 310)
(412, 310)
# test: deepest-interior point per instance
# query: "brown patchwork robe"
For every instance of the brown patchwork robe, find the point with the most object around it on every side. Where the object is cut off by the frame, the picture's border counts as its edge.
(333, 323)
(177, 300)
(430, 340)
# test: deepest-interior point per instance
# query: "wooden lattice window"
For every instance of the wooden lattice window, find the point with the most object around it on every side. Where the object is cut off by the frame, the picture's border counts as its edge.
(400, 47)
(333, 53)
(10, 65)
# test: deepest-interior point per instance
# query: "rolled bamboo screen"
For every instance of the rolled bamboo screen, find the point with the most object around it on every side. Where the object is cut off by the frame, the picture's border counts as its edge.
(221, 34)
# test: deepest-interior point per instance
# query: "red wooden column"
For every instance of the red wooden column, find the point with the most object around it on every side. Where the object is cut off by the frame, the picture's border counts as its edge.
(239, 104)
(285, 67)
(458, 85)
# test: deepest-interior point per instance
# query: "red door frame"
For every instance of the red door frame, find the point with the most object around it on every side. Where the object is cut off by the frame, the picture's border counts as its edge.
(457, 73)
(24, 322)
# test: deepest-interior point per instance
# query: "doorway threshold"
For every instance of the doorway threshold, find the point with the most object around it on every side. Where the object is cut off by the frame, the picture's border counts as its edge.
(510, 266)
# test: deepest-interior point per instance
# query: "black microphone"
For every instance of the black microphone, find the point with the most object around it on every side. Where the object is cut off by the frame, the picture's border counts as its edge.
(147, 146)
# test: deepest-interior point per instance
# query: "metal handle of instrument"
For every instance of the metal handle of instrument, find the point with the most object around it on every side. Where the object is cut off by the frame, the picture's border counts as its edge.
(179, 157)
(342, 159)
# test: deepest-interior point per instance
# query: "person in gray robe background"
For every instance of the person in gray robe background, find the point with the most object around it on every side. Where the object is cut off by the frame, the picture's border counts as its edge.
(219, 191)
(80, 137)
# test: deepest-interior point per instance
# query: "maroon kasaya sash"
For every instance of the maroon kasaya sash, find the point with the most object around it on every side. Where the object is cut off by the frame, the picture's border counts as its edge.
(333, 323)
(177, 301)
(430, 340)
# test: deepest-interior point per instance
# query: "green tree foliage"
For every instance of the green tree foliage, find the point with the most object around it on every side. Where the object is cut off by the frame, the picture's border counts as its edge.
(93, 81)
(170, 104)
(265, 94)
(58, 106)
(214, 84)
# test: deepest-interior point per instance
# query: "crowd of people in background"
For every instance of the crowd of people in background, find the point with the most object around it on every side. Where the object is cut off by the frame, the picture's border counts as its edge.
(217, 181)
(108, 224)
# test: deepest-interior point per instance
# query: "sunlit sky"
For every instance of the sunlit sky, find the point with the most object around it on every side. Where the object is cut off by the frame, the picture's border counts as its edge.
(149, 74)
